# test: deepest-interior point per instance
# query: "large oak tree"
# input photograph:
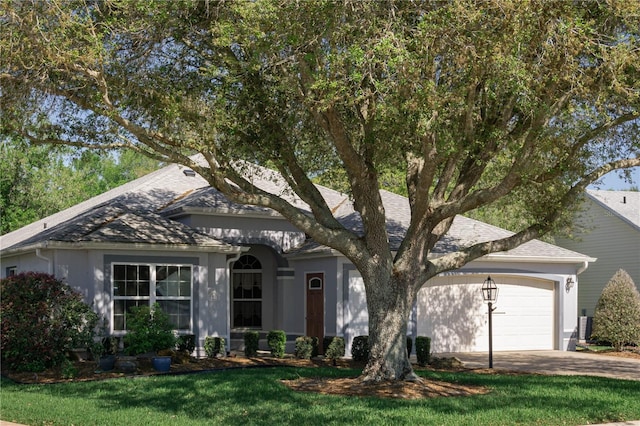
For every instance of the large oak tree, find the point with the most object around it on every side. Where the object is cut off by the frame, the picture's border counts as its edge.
(473, 100)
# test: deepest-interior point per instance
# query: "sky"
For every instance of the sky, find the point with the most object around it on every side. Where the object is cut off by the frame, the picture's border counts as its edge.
(612, 181)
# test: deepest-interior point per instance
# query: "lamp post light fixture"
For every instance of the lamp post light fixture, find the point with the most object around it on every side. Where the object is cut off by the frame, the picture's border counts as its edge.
(490, 295)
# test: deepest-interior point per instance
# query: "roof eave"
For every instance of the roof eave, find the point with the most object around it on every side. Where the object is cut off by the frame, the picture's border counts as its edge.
(502, 257)
(186, 211)
(63, 245)
(613, 211)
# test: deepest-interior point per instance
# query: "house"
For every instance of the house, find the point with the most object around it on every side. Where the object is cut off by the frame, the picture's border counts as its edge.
(219, 268)
(606, 226)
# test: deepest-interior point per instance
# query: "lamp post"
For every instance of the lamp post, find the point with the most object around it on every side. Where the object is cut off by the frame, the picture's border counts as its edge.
(490, 295)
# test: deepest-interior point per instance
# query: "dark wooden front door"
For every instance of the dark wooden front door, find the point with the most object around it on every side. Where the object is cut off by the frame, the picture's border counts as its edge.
(315, 306)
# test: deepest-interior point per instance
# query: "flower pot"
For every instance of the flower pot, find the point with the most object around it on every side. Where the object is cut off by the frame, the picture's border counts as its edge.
(107, 362)
(161, 363)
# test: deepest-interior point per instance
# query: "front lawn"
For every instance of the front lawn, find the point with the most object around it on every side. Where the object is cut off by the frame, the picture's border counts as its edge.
(257, 396)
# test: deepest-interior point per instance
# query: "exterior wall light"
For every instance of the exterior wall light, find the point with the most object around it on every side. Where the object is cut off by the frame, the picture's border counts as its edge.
(569, 284)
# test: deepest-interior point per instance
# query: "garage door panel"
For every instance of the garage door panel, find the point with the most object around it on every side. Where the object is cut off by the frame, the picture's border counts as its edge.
(453, 314)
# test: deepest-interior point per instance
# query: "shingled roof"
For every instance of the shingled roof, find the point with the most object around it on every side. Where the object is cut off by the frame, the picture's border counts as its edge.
(623, 204)
(464, 232)
(126, 214)
(139, 213)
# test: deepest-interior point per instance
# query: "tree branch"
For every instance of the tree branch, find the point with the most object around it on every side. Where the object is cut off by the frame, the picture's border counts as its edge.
(456, 260)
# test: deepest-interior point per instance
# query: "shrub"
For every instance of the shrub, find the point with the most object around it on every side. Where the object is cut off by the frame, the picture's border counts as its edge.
(326, 341)
(409, 346)
(251, 339)
(103, 344)
(277, 340)
(214, 346)
(148, 330)
(360, 348)
(335, 348)
(315, 343)
(423, 350)
(617, 314)
(42, 319)
(304, 347)
(187, 343)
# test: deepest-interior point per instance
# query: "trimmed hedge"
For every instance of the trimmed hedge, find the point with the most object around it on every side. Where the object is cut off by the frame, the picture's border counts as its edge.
(360, 348)
(423, 350)
(277, 341)
(617, 314)
(304, 347)
(409, 346)
(316, 346)
(214, 346)
(251, 339)
(187, 343)
(334, 348)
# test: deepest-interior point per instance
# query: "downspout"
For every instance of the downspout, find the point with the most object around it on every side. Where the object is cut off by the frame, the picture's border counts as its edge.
(583, 268)
(230, 260)
(46, 259)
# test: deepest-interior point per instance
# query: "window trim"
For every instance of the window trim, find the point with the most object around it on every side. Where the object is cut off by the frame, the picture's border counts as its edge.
(238, 271)
(311, 282)
(152, 298)
(10, 271)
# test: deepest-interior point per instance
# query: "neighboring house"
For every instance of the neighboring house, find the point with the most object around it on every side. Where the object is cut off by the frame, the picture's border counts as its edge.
(607, 227)
(219, 268)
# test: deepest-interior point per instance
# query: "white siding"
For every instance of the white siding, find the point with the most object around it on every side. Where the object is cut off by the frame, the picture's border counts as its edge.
(614, 242)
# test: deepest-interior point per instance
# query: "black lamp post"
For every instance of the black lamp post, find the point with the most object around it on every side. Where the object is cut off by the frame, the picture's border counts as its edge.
(490, 295)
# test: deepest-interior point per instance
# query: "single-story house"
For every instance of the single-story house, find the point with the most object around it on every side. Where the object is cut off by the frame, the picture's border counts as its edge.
(219, 269)
(605, 226)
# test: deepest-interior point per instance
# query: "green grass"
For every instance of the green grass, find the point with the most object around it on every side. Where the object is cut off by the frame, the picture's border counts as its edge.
(257, 397)
(595, 348)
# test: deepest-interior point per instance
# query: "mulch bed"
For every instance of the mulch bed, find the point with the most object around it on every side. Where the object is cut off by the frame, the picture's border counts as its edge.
(353, 386)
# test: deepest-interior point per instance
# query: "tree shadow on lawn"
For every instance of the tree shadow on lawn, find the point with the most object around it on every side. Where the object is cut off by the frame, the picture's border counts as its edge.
(258, 396)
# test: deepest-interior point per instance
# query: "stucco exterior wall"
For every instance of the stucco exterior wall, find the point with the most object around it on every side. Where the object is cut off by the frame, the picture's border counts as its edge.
(28, 262)
(296, 309)
(564, 308)
(275, 232)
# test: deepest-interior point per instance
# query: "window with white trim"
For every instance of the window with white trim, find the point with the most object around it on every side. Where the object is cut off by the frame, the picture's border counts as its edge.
(247, 292)
(145, 284)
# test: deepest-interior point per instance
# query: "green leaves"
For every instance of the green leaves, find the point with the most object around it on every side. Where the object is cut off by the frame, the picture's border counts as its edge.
(617, 315)
(493, 101)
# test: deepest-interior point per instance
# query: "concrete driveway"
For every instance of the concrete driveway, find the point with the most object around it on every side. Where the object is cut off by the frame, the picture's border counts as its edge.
(555, 362)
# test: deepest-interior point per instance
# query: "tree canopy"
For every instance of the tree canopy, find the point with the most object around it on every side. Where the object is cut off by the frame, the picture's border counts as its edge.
(473, 101)
(37, 181)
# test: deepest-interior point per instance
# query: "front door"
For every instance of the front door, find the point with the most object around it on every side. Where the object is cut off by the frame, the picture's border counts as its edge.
(315, 306)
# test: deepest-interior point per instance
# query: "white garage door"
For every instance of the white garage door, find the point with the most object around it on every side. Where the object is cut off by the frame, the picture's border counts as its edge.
(452, 313)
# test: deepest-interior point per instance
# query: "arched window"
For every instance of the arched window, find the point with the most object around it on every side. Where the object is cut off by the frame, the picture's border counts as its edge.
(247, 292)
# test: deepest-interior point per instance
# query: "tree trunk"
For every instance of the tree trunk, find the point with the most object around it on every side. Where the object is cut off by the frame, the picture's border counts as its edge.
(389, 305)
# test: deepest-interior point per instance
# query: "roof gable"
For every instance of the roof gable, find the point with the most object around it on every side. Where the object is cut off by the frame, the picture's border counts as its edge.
(126, 214)
(623, 204)
(139, 212)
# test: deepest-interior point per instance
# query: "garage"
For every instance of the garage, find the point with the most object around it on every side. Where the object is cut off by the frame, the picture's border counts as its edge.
(451, 311)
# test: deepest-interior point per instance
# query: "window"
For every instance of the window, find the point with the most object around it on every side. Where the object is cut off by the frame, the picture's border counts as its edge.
(315, 283)
(247, 292)
(11, 271)
(168, 285)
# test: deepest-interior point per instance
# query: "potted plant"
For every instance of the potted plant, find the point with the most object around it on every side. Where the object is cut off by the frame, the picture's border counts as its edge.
(102, 348)
(149, 332)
